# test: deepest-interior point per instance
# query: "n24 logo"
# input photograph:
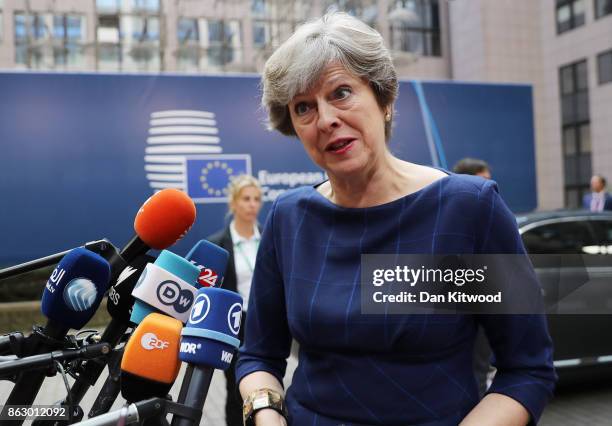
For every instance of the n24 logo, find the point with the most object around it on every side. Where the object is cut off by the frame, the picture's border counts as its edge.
(207, 277)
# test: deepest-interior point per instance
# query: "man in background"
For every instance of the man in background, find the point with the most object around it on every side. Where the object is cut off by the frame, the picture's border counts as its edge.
(598, 200)
(473, 166)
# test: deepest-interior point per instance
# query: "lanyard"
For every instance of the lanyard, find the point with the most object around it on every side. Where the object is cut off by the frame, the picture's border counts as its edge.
(245, 257)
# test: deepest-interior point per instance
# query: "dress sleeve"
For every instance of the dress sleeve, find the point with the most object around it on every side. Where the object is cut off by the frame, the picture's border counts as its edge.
(267, 340)
(522, 347)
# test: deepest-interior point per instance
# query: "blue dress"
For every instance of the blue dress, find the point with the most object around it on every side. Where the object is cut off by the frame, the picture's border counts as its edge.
(356, 369)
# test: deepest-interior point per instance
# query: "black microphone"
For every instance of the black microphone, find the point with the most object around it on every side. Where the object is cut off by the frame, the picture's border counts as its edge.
(71, 296)
(48, 360)
(208, 342)
(162, 220)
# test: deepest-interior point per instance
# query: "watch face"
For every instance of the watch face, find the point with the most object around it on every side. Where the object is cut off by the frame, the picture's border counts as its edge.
(260, 401)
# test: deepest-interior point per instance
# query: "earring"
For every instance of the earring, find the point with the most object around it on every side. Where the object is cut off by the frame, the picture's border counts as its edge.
(388, 117)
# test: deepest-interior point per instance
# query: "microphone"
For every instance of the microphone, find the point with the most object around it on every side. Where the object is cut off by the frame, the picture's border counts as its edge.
(168, 286)
(208, 341)
(211, 260)
(161, 221)
(151, 363)
(161, 290)
(71, 296)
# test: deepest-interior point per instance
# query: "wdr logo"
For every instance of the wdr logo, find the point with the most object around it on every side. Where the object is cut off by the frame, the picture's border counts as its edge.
(183, 152)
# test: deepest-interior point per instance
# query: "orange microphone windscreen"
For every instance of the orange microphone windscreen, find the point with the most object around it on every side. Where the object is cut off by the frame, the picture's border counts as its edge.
(152, 353)
(165, 218)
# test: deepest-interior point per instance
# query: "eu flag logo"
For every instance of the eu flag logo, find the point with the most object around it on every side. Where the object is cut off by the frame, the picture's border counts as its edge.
(209, 175)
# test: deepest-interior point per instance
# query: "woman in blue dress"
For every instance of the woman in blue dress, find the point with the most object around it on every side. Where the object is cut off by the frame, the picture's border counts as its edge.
(333, 85)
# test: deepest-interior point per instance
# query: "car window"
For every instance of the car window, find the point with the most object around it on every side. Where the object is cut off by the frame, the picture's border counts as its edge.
(559, 238)
(603, 236)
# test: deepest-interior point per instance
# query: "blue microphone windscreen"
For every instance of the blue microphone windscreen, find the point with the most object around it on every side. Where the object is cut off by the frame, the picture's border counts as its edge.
(212, 262)
(75, 289)
(172, 263)
(211, 334)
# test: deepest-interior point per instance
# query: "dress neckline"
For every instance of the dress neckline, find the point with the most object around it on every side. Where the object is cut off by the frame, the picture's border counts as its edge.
(402, 199)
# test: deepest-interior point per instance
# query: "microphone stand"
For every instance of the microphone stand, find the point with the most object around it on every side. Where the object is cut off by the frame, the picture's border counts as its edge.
(102, 247)
(193, 396)
(149, 411)
(112, 386)
(48, 360)
(12, 344)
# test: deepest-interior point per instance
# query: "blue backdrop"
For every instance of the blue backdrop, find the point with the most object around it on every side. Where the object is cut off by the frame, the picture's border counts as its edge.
(79, 153)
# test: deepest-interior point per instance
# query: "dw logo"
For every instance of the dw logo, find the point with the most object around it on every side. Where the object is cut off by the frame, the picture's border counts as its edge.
(170, 294)
(201, 307)
(184, 152)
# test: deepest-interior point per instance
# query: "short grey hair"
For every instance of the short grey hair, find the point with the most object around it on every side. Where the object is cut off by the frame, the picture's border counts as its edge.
(298, 63)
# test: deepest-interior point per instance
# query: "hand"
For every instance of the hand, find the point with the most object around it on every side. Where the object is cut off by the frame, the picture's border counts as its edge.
(269, 417)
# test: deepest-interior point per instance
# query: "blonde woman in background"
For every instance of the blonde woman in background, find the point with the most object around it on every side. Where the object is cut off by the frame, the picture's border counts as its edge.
(241, 239)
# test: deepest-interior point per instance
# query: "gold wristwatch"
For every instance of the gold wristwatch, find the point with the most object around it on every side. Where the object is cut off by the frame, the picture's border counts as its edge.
(260, 399)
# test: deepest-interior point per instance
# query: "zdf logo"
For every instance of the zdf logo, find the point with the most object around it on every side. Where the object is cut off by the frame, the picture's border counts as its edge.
(150, 341)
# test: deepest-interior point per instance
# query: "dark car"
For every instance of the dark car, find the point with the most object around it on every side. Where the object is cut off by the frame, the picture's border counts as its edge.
(572, 254)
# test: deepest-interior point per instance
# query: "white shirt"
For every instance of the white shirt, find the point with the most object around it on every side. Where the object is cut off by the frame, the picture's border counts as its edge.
(597, 201)
(245, 252)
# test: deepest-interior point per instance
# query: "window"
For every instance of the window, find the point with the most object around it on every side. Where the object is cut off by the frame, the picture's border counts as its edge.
(49, 41)
(604, 67)
(415, 27)
(603, 232)
(128, 35)
(69, 34)
(208, 45)
(570, 14)
(140, 42)
(575, 131)
(559, 238)
(108, 6)
(366, 10)
(258, 7)
(109, 57)
(149, 6)
(274, 22)
(188, 54)
(602, 8)
(138, 29)
(1, 20)
(261, 33)
(108, 29)
(224, 43)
